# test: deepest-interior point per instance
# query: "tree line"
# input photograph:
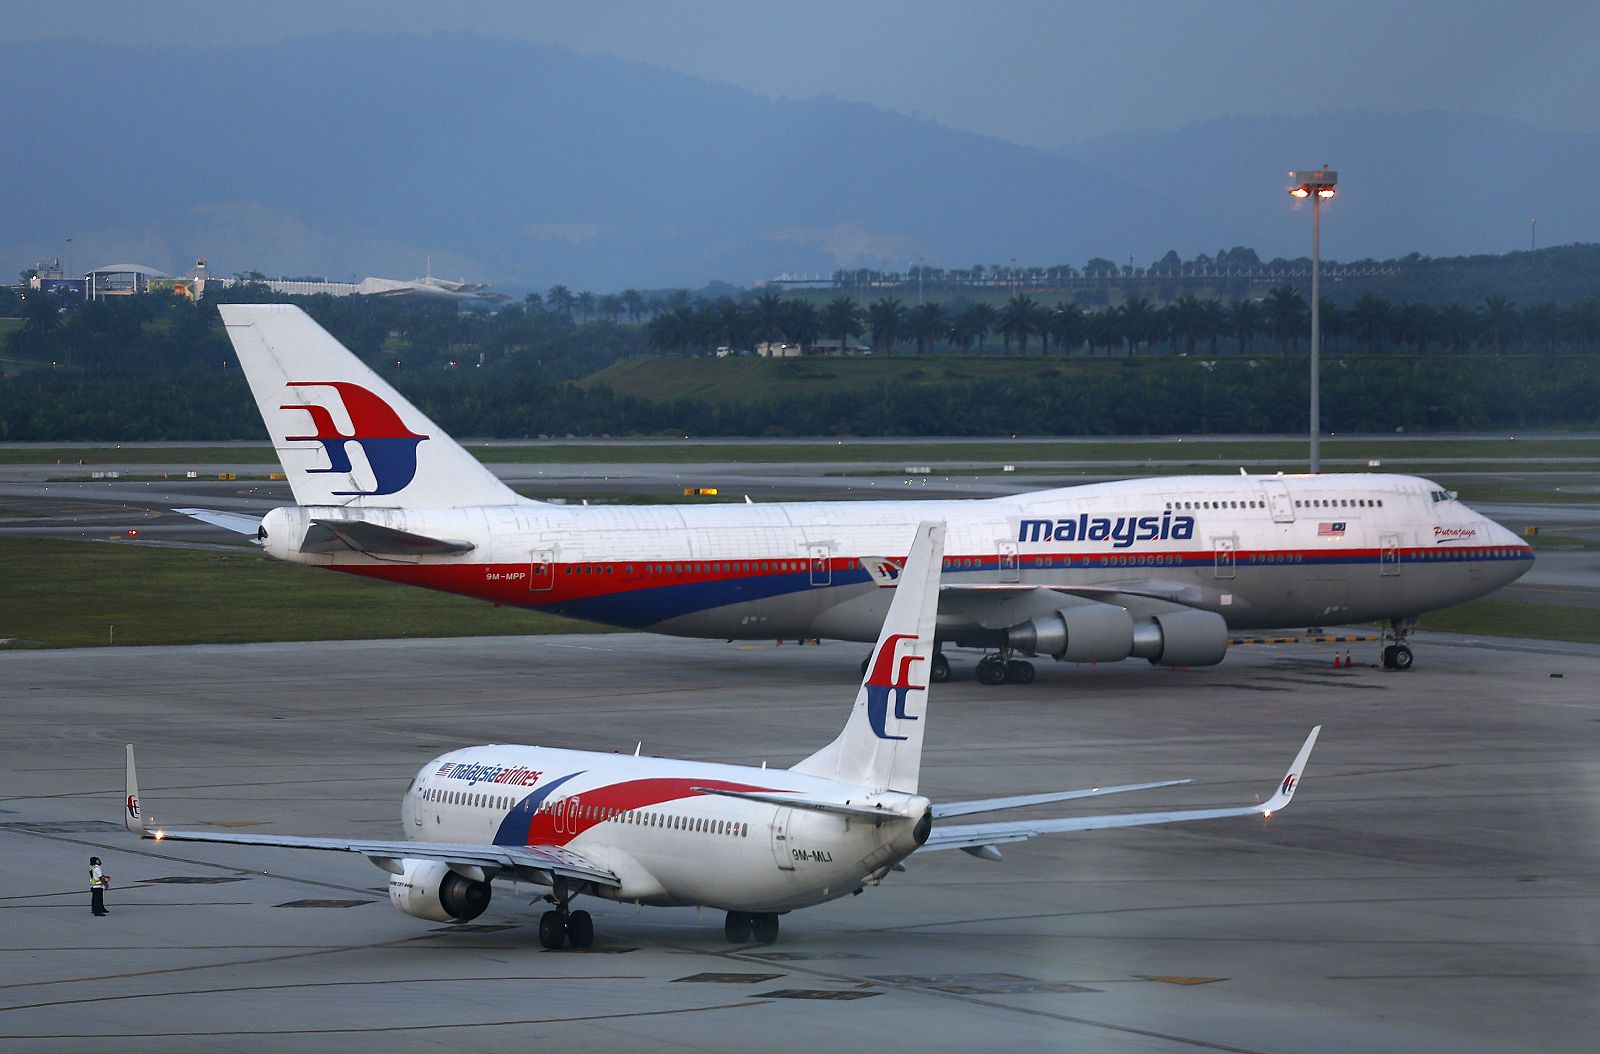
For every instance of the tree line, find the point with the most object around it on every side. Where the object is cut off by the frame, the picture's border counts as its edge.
(1279, 322)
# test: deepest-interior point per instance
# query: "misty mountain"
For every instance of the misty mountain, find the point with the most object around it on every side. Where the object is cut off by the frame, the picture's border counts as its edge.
(526, 165)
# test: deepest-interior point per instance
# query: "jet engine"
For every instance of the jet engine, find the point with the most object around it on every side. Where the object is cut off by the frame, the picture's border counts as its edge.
(428, 889)
(1107, 633)
(1181, 638)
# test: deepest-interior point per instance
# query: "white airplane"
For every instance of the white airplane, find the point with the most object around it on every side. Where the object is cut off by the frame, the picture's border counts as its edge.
(754, 842)
(1164, 569)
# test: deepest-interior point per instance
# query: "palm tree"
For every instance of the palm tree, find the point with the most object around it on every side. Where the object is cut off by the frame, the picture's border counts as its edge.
(1105, 330)
(633, 300)
(980, 322)
(769, 316)
(1541, 325)
(734, 323)
(533, 303)
(1335, 322)
(1499, 320)
(801, 323)
(1068, 325)
(927, 324)
(1244, 321)
(886, 318)
(1369, 316)
(841, 319)
(1184, 317)
(1139, 322)
(1285, 310)
(1213, 322)
(610, 307)
(1020, 319)
(560, 299)
(585, 304)
(1456, 326)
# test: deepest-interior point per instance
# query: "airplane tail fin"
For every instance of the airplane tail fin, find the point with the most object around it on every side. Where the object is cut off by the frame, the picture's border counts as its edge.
(133, 814)
(881, 745)
(343, 434)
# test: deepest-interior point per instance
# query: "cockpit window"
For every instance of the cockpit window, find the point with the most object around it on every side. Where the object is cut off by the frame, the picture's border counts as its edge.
(1444, 495)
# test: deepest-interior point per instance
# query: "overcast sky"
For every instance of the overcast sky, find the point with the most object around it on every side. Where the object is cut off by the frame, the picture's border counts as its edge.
(998, 68)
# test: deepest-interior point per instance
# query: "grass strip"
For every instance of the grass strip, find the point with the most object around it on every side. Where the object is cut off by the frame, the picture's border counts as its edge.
(1508, 618)
(61, 594)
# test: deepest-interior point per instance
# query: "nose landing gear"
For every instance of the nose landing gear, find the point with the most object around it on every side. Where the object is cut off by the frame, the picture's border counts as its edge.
(1396, 654)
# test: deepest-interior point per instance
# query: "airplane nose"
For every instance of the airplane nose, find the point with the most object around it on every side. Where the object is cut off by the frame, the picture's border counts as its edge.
(1504, 538)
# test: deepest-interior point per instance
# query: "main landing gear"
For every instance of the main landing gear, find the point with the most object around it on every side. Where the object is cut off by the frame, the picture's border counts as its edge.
(1001, 668)
(560, 928)
(741, 926)
(1396, 654)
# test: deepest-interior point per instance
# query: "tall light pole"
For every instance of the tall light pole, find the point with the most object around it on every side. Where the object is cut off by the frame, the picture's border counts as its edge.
(1315, 184)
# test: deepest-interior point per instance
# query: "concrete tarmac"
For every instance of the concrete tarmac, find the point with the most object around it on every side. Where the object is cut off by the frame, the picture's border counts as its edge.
(1434, 887)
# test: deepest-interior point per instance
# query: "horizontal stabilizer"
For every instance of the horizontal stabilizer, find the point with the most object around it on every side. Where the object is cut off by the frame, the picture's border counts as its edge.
(967, 808)
(329, 535)
(874, 812)
(238, 522)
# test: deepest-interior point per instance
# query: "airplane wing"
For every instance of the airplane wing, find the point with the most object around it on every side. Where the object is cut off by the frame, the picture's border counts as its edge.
(980, 839)
(996, 605)
(537, 862)
(967, 808)
(332, 535)
(238, 522)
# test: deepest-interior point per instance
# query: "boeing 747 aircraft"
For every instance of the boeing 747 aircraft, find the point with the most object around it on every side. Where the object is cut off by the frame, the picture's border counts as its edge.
(1163, 569)
(753, 842)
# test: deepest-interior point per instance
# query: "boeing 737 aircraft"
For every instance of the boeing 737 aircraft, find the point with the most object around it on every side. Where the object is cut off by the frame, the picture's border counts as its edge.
(1160, 569)
(754, 842)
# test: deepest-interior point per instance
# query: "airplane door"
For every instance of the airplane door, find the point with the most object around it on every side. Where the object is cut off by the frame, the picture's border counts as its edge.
(1389, 554)
(1224, 562)
(1278, 500)
(1010, 566)
(780, 840)
(821, 565)
(541, 571)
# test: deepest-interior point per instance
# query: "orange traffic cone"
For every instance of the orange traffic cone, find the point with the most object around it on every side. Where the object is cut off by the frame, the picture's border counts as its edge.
(1348, 662)
(1336, 663)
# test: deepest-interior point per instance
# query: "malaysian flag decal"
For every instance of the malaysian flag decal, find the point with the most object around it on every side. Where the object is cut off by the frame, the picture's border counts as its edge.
(1331, 530)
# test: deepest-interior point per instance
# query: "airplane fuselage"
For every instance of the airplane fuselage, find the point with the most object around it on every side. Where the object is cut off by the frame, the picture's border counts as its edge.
(1259, 551)
(649, 822)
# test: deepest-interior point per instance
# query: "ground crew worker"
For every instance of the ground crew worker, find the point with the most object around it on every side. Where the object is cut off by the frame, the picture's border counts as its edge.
(98, 881)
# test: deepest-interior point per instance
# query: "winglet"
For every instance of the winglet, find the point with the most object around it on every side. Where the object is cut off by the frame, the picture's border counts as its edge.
(1291, 779)
(132, 816)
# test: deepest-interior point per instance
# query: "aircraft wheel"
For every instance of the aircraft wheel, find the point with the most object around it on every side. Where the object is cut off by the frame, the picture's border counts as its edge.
(991, 671)
(552, 932)
(580, 929)
(766, 928)
(1019, 671)
(941, 668)
(1402, 658)
(737, 927)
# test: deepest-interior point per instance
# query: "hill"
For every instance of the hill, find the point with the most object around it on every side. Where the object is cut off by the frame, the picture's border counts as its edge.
(528, 165)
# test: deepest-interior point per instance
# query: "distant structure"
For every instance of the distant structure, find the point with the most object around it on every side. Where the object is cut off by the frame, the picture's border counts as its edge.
(130, 279)
(428, 286)
(828, 348)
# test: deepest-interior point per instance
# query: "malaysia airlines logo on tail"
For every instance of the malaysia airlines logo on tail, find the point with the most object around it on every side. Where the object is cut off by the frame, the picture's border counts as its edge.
(133, 806)
(887, 676)
(388, 445)
(1288, 784)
